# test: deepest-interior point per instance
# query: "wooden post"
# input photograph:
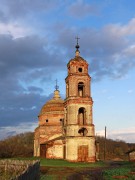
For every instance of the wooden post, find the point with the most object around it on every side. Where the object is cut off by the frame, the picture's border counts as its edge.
(105, 145)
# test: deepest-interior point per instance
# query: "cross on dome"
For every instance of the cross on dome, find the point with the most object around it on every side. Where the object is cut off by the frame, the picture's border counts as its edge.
(77, 38)
(77, 46)
(56, 86)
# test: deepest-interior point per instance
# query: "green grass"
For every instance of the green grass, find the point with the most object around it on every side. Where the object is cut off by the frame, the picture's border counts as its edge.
(48, 177)
(126, 170)
(63, 163)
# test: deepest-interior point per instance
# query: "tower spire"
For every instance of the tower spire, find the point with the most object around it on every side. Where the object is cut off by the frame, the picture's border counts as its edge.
(56, 92)
(56, 86)
(77, 46)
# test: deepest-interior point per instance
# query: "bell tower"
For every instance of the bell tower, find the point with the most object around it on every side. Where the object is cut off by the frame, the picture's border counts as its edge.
(78, 121)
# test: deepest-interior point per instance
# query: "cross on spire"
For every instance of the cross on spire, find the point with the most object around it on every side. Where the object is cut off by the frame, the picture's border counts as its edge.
(56, 86)
(77, 45)
(77, 38)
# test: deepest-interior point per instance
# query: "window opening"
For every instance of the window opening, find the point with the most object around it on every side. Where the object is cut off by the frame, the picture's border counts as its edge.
(82, 116)
(80, 69)
(83, 131)
(81, 89)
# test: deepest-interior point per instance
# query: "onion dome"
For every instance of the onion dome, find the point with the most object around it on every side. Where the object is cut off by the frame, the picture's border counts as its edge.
(54, 105)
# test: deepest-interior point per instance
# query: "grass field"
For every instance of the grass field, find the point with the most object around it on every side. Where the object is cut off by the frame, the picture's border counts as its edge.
(60, 169)
(124, 171)
(63, 163)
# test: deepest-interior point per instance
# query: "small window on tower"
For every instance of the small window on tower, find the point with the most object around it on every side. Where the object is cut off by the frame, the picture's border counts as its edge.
(46, 120)
(81, 89)
(80, 69)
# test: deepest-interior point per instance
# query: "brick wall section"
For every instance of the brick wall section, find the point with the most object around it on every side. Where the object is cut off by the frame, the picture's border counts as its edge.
(20, 170)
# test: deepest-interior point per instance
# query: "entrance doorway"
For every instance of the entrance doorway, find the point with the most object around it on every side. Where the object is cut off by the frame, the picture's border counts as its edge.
(43, 150)
(82, 153)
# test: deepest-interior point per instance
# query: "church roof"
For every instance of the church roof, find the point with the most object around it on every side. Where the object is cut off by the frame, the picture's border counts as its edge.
(55, 104)
(77, 58)
(55, 139)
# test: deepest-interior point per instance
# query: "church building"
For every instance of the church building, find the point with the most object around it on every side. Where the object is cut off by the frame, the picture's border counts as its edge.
(66, 129)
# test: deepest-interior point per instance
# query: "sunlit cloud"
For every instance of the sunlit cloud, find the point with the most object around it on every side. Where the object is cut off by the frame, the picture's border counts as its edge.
(14, 30)
(21, 128)
(127, 134)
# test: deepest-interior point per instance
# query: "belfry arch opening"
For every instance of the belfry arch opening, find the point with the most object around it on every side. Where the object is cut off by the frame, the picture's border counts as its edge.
(80, 89)
(83, 131)
(82, 116)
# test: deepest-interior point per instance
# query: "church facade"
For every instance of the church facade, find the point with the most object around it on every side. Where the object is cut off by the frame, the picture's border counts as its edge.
(66, 129)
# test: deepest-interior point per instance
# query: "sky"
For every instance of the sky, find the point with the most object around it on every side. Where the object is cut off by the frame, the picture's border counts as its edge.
(37, 39)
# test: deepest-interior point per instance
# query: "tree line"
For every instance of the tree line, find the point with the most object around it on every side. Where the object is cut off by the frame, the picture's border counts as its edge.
(113, 149)
(22, 145)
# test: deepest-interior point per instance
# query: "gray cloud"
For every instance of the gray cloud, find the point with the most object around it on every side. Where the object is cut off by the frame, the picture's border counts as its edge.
(19, 9)
(2, 16)
(27, 54)
(22, 107)
(22, 61)
(108, 52)
(127, 137)
(80, 9)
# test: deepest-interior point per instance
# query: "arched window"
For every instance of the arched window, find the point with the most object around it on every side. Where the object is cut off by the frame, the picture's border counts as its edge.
(82, 116)
(80, 89)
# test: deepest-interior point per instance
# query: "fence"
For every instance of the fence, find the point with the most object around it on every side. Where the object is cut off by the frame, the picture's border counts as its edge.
(19, 170)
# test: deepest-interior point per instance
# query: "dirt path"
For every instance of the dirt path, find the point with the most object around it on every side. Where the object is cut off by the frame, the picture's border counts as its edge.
(95, 174)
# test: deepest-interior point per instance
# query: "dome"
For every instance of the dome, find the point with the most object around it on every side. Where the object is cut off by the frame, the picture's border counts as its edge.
(77, 58)
(55, 104)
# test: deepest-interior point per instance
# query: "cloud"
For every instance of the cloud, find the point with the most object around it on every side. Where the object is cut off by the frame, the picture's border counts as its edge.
(121, 30)
(80, 9)
(24, 62)
(19, 9)
(127, 134)
(26, 54)
(14, 29)
(112, 51)
(108, 52)
(21, 128)
(2, 16)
